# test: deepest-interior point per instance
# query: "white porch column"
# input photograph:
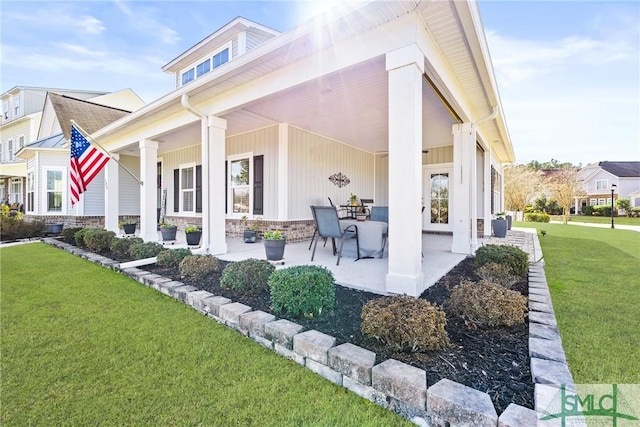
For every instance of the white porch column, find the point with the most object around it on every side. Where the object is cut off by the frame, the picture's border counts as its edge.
(283, 171)
(463, 192)
(487, 193)
(213, 178)
(405, 67)
(148, 196)
(111, 190)
(576, 210)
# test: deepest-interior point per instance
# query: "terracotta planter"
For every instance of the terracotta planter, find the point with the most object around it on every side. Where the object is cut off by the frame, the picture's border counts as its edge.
(274, 249)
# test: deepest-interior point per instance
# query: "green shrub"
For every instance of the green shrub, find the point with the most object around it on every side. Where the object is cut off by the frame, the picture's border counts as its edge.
(13, 228)
(497, 274)
(602, 210)
(69, 234)
(488, 305)
(634, 212)
(537, 217)
(98, 240)
(79, 236)
(197, 267)
(406, 324)
(515, 258)
(172, 257)
(303, 290)
(122, 246)
(587, 210)
(249, 275)
(145, 250)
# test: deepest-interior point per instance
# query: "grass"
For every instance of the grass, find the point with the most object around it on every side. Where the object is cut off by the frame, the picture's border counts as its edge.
(622, 220)
(82, 345)
(595, 288)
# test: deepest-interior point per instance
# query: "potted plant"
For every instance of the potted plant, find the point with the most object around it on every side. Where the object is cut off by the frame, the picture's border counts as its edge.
(168, 231)
(250, 230)
(129, 226)
(194, 234)
(499, 225)
(274, 243)
(55, 228)
(353, 200)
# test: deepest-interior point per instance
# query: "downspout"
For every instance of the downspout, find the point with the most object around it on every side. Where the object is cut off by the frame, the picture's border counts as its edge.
(206, 226)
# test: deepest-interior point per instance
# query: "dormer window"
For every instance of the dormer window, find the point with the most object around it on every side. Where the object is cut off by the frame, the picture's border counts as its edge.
(5, 110)
(203, 67)
(16, 107)
(187, 76)
(221, 58)
(198, 69)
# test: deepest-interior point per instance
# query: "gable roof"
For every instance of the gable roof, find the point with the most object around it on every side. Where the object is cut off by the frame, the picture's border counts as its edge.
(622, 169)
(88, 115)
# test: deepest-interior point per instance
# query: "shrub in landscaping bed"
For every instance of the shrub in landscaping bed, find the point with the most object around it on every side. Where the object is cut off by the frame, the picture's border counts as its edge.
(602, 210)
(197, 267)
(537, 217)
(69, 234)
(498, 274)
(12, 228)
(172, 257)
(515, 258)
(488, 305)
(79, 237)
(303, 290)
(122, 246)
(634, 212)
(145, 250)
(249, 275)
(406, 324)
(98, 240)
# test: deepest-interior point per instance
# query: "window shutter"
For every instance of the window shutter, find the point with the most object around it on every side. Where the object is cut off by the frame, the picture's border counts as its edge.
(199, 188)
(226, 190)
(258, 185)
(176, 190)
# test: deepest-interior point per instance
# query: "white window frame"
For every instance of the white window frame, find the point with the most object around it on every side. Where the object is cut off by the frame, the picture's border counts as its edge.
(601, 202)
(5, 110)
(198, 74)
(45, 192)
(31, 191)
(593, 202)
(231, 187)
(20, 144)
(1, 152)
(10, 150)
(3, 194)
(183, 191)
(15, 196)
(16, 106)
(599, 185)
(227, 45)
(194, 66)
(183, 72)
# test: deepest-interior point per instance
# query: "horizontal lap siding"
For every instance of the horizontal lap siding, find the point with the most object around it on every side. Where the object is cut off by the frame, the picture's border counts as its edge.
(312, 160)
(438, 155)
(261, 142)
(129, 188)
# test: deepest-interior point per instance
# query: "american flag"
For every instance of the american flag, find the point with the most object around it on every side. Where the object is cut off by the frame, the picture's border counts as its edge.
(86, 163)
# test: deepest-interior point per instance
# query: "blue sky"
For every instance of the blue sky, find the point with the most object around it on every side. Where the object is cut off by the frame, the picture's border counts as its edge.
(568, 72)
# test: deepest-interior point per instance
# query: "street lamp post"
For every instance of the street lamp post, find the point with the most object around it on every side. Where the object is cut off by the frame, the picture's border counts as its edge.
(613, 189)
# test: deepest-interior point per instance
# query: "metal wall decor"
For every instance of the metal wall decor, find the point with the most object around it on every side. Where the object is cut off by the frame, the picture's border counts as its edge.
(339, 179)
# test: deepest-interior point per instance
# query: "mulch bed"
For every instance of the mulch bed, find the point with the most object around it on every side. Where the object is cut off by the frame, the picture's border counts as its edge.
(495, 361)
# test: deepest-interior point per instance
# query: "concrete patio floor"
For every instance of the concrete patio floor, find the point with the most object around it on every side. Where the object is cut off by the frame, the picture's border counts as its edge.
(364, 274)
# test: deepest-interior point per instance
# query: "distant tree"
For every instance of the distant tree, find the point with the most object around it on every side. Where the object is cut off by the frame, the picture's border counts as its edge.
(564, 188)
(553, 164)
(520, 186)
(624, 204)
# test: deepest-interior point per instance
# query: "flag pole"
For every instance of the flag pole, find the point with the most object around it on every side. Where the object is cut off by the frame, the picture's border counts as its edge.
(93, 141)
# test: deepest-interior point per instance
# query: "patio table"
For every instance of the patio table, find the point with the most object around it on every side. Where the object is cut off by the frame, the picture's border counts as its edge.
(370, 236)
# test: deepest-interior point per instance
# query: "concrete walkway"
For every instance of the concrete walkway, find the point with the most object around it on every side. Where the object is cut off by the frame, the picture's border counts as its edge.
(588, 224)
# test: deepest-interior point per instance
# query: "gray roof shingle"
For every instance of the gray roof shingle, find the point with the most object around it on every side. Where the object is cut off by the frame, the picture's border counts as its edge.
(622, 169)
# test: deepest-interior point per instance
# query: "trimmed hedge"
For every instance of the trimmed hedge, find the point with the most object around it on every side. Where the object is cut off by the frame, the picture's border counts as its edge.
(197, 267)
(98, 240)
(145, 250)
(122, 246)
(537, 217)
(405, 324)
(69, 234)
(497, 274)
(514, 257)
(303, 290)
(250, 275)
(172, 257)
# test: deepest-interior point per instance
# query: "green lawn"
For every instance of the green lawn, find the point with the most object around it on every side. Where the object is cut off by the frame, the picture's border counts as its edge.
(594, 280)
(623, 220)
(82, 345)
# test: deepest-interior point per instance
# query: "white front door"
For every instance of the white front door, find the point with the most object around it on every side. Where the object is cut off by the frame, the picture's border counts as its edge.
(437, 198)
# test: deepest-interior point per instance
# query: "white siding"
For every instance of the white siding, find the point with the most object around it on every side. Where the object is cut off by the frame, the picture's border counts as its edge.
(172, 160)
(94, 196)
(129, 188)
(312, 160)
(438, 155)
(255, 39)
(382, 181)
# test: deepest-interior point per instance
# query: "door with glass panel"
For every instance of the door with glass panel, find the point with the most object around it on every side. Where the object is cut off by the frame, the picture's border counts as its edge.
(436, 199)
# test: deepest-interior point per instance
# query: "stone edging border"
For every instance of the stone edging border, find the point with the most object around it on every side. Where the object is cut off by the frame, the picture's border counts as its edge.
(393, 385)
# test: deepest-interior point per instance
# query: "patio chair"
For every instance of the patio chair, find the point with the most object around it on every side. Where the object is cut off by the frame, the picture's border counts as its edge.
(364, 208)
(328, 227)
(381, 213)
(342, 214)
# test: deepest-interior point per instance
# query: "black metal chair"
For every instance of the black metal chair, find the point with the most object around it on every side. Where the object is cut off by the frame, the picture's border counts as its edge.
(328, 227)
(364, 208)
(381, 213)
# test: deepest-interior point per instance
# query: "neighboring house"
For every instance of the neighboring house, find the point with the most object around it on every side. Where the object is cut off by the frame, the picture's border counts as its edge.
(21, 113)
(47, 159)
(597, 180)
(391, 101)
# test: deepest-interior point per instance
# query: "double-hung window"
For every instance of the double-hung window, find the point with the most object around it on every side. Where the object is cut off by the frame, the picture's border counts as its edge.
(601, 184)
(188, 188)
(54, 189)
(15, 189)
(20, 142)
(10, 150)
(240, 184)
(30, 192)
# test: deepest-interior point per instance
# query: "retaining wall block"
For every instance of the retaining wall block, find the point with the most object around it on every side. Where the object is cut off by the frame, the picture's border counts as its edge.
(550, 372)
(167, 288)
(253, 322)
(324, 371)
(401, 381)
(150, 280)
(135, 272)
(282, 332)
(289, 354)
(181, 292)
(353, 361)
(517, 416)
(543, 331)
(314, 345)
(196, 300)
(230, 313)
(212, 304)
(452, 403)
(544, 318)
(546, 349)
(366, 391)
(261, 340)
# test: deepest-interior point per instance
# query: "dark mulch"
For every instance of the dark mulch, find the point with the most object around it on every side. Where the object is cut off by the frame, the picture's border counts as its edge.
(495, 361)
